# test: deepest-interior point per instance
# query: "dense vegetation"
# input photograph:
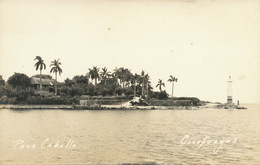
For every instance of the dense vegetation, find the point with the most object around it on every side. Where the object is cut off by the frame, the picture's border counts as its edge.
(19, 88)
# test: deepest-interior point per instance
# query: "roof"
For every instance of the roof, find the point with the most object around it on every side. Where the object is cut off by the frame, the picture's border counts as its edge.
(50, 82)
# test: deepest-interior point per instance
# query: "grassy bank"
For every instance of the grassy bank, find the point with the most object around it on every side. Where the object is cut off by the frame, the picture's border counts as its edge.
(181, 101)
(101, 100)
(41, 100)
(98, 102)
(65, 100)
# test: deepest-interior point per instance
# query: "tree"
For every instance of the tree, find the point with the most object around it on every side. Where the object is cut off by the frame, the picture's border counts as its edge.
(19, 80)
(80, 79)
(160, 84)
(111, 86)
(162, 95)
(124, 75)
(104, 74)
(40, 65)
(93, 73)
(2, 81)
(143, 81)
(172, 80)
(133, 83)
(127, 77)
(147, 84)
(56, 68)
(117, 74)
(68, 82)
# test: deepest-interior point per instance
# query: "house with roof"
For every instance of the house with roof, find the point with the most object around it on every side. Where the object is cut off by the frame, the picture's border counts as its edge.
(46, 82)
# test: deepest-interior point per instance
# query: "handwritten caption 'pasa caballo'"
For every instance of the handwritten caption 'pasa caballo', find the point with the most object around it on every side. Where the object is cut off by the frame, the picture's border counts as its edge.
(46, 144)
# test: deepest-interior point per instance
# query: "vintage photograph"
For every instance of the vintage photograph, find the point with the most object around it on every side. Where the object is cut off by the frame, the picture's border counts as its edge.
(130, 82)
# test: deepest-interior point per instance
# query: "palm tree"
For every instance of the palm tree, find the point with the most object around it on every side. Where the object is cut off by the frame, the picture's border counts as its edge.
(104, 74)
(142, 81)
(93, 73)
(40, 65)
(128, 77)
(125, 75)
(172, 80)
(134, 80)
(147, 82)
(117, 74)
(56, 68)
(160, 84)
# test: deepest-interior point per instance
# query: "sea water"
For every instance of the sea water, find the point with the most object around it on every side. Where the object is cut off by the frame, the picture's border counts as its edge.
(209, 136)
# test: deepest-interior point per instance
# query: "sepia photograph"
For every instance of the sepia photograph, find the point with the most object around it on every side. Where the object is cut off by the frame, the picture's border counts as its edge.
(130, 82)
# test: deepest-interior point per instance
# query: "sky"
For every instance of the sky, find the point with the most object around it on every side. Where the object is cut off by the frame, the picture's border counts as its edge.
(200, 42)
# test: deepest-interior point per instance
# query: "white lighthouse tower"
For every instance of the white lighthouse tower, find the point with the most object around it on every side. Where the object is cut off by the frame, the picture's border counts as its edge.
(229, 92)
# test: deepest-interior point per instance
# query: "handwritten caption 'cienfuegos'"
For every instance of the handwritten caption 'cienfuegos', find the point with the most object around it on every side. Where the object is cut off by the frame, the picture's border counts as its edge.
(186, 140)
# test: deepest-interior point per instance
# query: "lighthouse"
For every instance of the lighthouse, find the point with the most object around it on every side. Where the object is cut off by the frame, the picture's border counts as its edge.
(229, 92)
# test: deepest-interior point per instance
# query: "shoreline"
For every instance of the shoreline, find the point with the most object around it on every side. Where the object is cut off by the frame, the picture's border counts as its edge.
(116, 107)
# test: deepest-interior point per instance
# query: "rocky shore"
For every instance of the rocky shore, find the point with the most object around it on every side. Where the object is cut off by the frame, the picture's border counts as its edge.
(119, 107)
(24, 107)
(95, 107)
